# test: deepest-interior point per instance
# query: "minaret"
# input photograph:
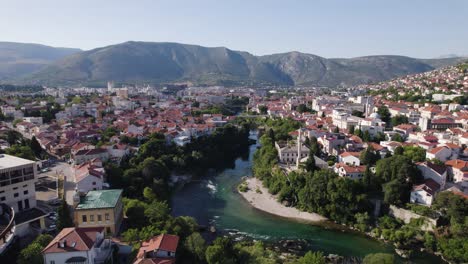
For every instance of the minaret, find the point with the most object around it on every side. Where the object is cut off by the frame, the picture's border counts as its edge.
(299, 147)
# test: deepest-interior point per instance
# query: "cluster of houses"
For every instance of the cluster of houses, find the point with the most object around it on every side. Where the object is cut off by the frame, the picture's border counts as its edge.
(441, 130)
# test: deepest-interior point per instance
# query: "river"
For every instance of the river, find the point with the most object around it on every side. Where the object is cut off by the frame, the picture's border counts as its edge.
(215, 201)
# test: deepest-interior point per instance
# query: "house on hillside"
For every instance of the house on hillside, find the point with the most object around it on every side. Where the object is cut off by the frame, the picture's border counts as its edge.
(424, 193)
(458, 171)
(160, 249)
(89, 176)
(350, 171)
(442, 153)
(350, 158)
(78, 245)
(429, 170)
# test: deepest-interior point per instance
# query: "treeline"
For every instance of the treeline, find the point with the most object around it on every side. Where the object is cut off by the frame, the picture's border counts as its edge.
(347, 201)
(21, 88)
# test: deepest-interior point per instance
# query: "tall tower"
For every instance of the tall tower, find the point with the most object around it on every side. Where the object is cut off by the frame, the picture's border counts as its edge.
(299, 147)
(110, 86)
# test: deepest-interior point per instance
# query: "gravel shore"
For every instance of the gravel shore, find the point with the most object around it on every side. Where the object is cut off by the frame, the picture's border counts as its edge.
(266, 202)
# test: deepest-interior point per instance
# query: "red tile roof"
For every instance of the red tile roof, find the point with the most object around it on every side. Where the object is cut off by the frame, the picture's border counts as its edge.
(429, 186)
(163, 242)
(77, 239)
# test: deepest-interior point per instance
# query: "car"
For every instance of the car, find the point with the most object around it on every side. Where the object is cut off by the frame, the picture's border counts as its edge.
(55, 202)
(45, 170)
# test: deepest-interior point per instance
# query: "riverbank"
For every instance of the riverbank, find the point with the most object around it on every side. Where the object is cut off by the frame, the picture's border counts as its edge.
(259, 198)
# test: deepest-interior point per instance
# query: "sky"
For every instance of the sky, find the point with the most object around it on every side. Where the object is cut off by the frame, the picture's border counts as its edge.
(328, 28)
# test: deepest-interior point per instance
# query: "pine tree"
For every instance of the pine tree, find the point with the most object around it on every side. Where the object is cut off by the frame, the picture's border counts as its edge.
(64, 216)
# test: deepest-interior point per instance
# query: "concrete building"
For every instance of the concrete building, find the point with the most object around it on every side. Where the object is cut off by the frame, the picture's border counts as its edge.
(17, 178)
(18, 213)
(100, 208)
(78, 245)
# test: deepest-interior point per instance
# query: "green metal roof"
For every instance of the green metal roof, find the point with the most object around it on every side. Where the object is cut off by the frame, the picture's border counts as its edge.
(100, 199)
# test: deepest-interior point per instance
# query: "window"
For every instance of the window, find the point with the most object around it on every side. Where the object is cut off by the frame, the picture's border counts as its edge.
(20, 205)
(52, 262)
(91, 218)
(99, 218)
(84, 218)
(16, 188)
(15, 194)
(107, 217)
(26, 204)
(94, 183)
(2, 198)
(26, 192)
(24, 186)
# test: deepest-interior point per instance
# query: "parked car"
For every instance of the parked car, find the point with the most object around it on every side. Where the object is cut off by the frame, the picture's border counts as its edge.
(55, 202)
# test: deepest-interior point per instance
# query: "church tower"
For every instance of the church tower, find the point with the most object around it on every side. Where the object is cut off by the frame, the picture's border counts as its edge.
(299, 147)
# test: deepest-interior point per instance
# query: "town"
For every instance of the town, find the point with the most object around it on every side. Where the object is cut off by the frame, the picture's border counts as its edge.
(61, 190)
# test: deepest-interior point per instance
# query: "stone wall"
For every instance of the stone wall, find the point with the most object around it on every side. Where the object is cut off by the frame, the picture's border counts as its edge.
(407, 215)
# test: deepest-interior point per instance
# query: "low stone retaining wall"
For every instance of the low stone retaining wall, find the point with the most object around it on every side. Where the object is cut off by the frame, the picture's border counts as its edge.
(407, 215)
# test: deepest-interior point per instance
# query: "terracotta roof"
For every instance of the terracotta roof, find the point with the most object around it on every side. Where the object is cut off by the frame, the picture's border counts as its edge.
(440, 169)
(77, 239)
(429, 186)
(375, 146)
(155, 261)
(458, 164)
(352, 169)
(90, 152)
(347, 154)
(164, 242)
(442, 121)
(452, 146)
(437, 149)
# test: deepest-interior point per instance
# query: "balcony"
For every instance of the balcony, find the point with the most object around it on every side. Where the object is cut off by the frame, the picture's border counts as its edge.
(7, 227)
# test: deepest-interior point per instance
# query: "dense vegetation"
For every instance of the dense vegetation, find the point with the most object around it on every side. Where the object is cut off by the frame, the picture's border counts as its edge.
(347, 201)
(156, 160)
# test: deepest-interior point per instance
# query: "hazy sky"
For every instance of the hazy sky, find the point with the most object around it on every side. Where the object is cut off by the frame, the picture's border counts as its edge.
(329, 28)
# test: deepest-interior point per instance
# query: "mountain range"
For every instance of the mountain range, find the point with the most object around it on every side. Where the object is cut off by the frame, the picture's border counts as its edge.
(159, 63)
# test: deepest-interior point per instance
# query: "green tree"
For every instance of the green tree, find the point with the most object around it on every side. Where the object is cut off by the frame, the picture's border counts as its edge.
(312, 258)
(398, 138)
(368, 156)
(195, 244)
(362, 221)
(314, 146)
(309, 165)
(384, 114)
(263, 109)
(336, 130)
(351, 130)
(64, 216)
(221, 252)
(24, 152)
(398, 120)
(416, 154)
(135, 212)
(366, 137)
(398, 150)
(32, 254)
(379, 258)
(396, 193)
(36, 147)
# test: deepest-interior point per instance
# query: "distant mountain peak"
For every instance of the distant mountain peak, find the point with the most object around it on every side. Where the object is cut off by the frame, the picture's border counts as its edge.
(166, 62)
